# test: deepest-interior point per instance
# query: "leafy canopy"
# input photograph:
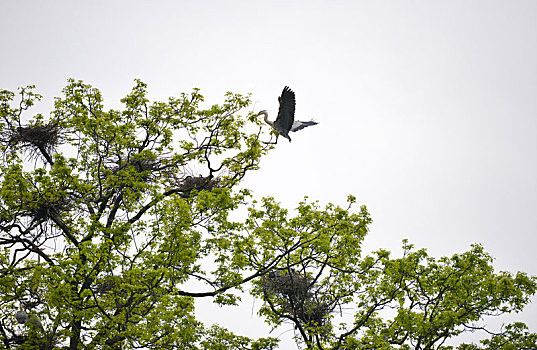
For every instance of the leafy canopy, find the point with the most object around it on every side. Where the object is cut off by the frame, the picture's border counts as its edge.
(113, 222)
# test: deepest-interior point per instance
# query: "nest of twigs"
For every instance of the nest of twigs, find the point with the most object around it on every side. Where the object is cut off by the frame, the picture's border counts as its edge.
(298, 297)
(36, 138)
(145, 167)
(46, 208)
(40, 344)
(138, 165)
(314, 312)
(289, 284)
(106, 284)
(197, 183)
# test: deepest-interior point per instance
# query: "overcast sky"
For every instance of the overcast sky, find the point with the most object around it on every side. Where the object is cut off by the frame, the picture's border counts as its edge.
(427, 109)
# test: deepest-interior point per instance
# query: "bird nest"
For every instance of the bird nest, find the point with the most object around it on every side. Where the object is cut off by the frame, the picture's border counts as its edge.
(290, 284)
(29, 342)
(313, 313)
(106, 284)
(297, 296)
(143, 167)
(198, 183)
(35, 138)
(45, 208)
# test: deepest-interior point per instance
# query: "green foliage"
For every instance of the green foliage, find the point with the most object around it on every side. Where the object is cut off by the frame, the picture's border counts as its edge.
(113, 222)
(133, 201)
(515, 337)
(439, 299)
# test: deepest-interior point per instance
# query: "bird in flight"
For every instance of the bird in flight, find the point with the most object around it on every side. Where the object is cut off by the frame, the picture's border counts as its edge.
(285, 121)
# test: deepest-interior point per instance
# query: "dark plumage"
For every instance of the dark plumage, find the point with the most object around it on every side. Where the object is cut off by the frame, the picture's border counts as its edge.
(21, 316)
(285, 121)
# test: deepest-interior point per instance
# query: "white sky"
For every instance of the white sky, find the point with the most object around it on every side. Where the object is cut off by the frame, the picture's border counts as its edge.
(427, 109)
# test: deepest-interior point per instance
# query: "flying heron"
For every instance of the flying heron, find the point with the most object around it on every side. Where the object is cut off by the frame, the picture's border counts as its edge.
(285, 121)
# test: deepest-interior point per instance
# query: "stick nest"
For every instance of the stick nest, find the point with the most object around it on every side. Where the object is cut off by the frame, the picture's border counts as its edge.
(299, 298)
(46, 208)
(138, 165)
(292, 285)
(197, 183)
(33, 137)
(106, 284)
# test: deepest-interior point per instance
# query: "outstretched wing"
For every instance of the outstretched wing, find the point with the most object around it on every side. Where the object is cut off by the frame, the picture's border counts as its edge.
(297, 125)
(286, 113)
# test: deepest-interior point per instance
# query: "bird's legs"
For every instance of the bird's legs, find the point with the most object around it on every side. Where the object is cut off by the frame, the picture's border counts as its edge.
(272, 143)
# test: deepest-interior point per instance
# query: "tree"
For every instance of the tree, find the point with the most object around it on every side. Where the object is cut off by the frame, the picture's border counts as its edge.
(113, 222)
